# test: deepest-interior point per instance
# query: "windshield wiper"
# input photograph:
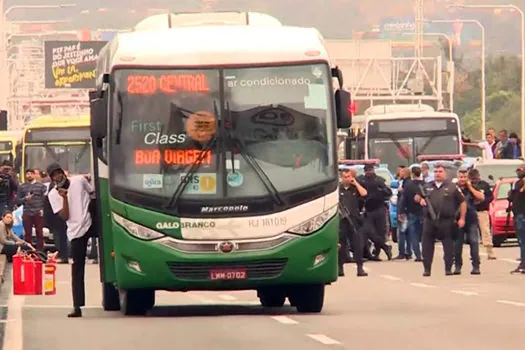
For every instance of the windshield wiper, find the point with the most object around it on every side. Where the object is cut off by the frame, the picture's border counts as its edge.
(118, 132)
(276, 196)
(193, 168)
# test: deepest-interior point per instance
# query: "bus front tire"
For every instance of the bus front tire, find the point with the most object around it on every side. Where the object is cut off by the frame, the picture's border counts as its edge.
(272, 297)
(309, 299)
(136, 302)
(110, 297)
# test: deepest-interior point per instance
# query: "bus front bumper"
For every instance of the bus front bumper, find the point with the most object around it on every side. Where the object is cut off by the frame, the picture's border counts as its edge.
(299, 260)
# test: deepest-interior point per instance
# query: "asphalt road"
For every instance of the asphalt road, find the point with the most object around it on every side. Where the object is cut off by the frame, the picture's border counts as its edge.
(394, 308)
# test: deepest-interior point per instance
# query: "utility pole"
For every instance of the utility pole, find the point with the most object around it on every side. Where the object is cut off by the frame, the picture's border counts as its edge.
(419, 87)
(419, 19)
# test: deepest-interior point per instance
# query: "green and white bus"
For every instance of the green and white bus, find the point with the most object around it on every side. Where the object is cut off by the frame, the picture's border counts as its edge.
(216, 164)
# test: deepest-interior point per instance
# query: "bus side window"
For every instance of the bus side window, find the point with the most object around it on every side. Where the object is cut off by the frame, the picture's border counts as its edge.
(18, 158)
(101, 149)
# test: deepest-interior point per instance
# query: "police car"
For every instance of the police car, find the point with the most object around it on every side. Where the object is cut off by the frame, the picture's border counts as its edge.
(382, 171)
(451, 162)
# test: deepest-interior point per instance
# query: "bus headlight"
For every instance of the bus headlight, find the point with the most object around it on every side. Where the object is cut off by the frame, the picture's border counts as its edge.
(137, 230)
(315, 223)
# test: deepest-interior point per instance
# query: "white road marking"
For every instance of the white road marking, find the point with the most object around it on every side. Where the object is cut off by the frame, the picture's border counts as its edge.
(42, 306)
(509, 302)
(512, 261)
(462, 292)
(323, 339)
(422, 285)
(284, 320)
(391, 278)
(227, 297)
(14, 330)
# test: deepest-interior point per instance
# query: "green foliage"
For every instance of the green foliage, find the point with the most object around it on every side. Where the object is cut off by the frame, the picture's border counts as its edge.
(503, 97)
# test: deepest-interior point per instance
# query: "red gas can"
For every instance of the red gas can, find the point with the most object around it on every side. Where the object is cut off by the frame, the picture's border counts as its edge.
(27, 275)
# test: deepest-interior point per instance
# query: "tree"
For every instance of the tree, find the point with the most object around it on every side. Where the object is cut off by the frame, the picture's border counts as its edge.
(503, 97)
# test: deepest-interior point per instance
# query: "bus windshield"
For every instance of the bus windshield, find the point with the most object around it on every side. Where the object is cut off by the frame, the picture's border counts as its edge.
(260, 125)
(399, 142)
(75, 159)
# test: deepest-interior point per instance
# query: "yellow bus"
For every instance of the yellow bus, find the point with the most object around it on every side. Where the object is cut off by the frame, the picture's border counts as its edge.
(64, 140)
(10, 144)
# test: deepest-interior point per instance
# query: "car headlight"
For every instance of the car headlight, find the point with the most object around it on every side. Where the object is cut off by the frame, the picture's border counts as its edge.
(502, 214)
(315, 223)
(137, 230)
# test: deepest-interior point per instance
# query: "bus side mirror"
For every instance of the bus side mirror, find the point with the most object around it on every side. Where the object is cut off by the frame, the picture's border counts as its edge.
(342, 108)
(99, 114)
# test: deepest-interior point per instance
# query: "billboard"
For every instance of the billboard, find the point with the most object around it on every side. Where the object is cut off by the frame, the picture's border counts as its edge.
(71, 64)
(399, 29)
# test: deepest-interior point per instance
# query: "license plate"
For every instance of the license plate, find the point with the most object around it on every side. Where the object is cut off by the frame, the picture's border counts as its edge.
(228, 274)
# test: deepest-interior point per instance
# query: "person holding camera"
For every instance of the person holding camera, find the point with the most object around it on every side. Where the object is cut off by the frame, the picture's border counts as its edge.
(71, 198)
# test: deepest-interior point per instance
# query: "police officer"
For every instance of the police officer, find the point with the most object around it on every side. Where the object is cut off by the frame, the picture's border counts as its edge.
(517, 198)
(472, 195)
(441, 201)
(350, 192)
(482, 210)
(375, 210)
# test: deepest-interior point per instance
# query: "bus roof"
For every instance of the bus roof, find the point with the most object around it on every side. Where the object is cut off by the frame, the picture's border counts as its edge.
(395, 108)
(411, 115)
(11, 134)
(172, 20)
(47, 121)
(213, 45)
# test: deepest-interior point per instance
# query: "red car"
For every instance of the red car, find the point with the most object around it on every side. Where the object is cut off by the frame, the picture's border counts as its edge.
(501, 228)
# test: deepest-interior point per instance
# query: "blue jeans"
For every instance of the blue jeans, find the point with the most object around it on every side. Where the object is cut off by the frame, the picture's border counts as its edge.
(403, 240)
(415, 226)
(472, 233)
(519, 222)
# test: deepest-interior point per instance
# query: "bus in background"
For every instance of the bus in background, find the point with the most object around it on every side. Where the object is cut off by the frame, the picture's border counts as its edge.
(10, 147)
(221, 175)
(57, 139)
(398, 137)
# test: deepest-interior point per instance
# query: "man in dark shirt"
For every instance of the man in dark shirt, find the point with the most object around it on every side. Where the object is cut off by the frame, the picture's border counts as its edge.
(441, 201)
(472, 195)
(482, 210)
(31, 194)
(413, 211)
(375, 209)
(350, 192)
(505, 148)
(517, 197)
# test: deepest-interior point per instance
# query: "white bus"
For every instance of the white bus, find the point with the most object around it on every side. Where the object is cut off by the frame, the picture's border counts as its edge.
(398, 137)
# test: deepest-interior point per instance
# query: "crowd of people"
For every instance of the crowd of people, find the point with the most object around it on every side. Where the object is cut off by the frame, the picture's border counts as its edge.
(500, 145)
(54, 200)
(430, 208)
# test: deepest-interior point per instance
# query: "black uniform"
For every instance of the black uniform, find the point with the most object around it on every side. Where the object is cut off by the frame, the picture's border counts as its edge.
(445, 201)
(350, 231)
(375, 212)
